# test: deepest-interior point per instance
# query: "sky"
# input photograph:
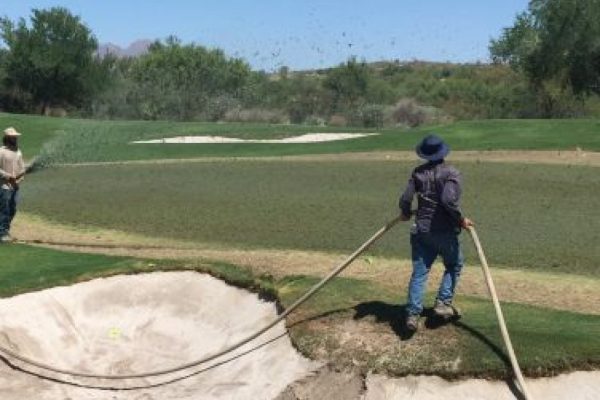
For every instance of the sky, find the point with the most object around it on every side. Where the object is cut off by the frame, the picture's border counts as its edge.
(301, 34)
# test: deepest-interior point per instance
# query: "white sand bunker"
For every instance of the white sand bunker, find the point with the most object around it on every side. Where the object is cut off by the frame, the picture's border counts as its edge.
(307, 138)
(133, 324)
(573, 386)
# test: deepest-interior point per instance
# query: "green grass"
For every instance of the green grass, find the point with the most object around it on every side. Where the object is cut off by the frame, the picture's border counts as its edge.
(528, 216)
(25, 268)
(75, 140)
(546, 341)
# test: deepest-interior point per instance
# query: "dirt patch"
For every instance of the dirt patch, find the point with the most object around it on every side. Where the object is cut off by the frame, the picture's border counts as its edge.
(327, 384)
(371, 338)
(559, 291)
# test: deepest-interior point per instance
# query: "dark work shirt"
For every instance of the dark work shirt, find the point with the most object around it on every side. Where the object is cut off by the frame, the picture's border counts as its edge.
(438, 187)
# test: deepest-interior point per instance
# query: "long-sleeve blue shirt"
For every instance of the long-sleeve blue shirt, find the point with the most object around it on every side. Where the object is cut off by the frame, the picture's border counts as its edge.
(438, 187)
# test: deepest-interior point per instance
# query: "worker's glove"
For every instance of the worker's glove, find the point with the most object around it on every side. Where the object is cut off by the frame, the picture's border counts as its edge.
(466, 223)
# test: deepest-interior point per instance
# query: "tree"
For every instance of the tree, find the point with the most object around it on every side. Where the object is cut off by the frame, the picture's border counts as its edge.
(348, 83)
(52, 59)
(555, 41)
(184, 81)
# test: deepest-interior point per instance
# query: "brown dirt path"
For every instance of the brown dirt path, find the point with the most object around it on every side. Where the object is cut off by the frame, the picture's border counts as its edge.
(558, 291)
(560, 157)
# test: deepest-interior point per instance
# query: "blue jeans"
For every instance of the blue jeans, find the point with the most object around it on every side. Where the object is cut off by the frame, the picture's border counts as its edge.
(425, 249)
(8, 209)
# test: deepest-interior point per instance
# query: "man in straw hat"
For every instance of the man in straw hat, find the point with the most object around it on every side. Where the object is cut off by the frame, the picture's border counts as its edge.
(12, 171)
(438, 222)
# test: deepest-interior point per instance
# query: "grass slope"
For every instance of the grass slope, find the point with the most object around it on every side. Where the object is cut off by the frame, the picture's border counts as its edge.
(546, 341)
(25, 268)
(76, 140)
(528, 216)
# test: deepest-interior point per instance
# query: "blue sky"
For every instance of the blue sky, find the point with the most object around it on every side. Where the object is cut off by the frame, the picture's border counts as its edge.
(301, 33)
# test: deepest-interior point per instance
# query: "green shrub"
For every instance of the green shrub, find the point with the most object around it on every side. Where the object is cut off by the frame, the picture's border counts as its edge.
(367, 116)
(256, 115)
(314, 120)
(337, 120)
(217, 107)
(407, 112)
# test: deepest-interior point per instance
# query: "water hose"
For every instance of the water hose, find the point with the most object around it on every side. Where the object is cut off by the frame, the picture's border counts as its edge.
(492, 289)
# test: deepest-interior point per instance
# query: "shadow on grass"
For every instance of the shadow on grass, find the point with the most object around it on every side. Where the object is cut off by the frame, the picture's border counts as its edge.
(392, 314)
(395, 315)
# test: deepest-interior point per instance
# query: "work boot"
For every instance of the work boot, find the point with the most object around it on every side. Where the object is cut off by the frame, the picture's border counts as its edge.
(6, 239)
(443, 310)
(412, 322)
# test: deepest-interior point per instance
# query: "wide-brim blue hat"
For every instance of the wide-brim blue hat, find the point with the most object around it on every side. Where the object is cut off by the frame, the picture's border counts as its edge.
(432, 148)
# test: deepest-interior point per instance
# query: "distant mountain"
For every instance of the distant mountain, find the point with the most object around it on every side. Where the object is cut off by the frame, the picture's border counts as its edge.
(135, 49)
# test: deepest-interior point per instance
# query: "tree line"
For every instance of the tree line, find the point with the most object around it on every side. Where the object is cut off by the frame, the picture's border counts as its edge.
(546, 65)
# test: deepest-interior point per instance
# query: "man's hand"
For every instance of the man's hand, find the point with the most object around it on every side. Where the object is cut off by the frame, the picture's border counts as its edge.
(466, 223)
(13, 181)
(404, 217)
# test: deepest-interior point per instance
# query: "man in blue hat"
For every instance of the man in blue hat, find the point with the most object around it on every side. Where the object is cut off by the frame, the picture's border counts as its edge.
(438, 222)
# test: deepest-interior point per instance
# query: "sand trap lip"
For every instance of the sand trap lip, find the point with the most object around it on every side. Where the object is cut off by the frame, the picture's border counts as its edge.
(306, 138)
(145, 322)
(573, 386)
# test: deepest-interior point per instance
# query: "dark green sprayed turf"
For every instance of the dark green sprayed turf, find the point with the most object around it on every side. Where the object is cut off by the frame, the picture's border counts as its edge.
(25, 268)
(528, 216)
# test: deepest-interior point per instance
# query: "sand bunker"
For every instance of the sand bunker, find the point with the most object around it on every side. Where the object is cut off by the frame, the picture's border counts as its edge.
(307, 138)
(574, 386)
(131, 324)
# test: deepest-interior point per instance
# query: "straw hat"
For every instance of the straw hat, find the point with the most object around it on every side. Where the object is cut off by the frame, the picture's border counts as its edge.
(11, 132)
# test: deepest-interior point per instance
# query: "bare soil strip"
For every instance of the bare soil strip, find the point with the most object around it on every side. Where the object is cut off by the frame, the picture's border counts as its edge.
(536, 288)
(561, 157)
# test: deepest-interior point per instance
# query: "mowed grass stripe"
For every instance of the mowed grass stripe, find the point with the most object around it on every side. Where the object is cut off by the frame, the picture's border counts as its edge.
(528, 216)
